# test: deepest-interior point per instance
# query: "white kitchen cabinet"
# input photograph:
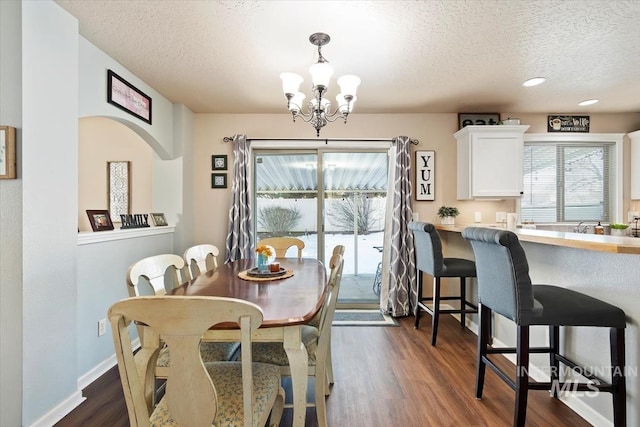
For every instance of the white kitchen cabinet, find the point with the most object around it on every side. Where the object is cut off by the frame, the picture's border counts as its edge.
(635, 164)
(490, 161)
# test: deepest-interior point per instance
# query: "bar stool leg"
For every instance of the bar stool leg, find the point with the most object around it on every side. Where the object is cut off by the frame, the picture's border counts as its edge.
(418, 300)
(436, 310)
(554, 363)
(522, 376)
(616, 338)
(463, 300)
(484, 320)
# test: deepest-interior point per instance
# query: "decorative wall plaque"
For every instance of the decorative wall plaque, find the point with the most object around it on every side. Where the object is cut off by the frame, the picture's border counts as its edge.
(568, 123)
(118, 186)
(425, 175)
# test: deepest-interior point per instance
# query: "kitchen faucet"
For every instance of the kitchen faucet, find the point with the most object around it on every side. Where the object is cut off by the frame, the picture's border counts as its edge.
(582, 230)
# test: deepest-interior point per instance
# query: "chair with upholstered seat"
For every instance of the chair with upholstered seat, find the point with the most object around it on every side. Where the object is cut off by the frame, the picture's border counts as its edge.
(162, 273)
(282, 244)
(430, 260)
(317, 342)
(504, 287)
(201, 258)
(197, 393)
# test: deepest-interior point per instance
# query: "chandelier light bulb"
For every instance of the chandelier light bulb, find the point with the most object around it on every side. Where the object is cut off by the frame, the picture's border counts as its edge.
(349, 84)
(321, 73)
(291, 82)
(295, 104)
(343, 105)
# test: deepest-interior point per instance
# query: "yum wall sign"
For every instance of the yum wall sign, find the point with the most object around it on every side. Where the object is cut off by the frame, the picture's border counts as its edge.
(425, 175)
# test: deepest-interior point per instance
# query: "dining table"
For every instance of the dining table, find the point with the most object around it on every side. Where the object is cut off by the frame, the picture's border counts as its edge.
(288, 301)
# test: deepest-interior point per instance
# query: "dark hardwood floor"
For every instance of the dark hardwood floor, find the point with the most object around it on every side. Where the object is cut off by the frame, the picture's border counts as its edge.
(385, 376)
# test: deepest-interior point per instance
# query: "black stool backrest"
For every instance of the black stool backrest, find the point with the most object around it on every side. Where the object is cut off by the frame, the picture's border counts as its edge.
(504, 284)
(428, 248)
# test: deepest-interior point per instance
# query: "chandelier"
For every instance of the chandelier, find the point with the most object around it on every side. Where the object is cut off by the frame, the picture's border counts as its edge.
(318, 109)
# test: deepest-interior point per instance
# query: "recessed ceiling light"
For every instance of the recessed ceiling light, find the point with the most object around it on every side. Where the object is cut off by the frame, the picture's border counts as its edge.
(534, 81)
(588, 102)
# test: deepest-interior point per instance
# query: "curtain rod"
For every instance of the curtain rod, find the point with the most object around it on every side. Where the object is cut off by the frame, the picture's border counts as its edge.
(326, 140)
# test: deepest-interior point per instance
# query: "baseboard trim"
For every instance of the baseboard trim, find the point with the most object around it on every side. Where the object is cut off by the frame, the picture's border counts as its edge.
(578, 406)
(102, 368)
(60, 411)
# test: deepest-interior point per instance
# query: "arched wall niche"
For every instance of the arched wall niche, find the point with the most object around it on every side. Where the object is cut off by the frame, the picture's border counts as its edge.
(105, 139)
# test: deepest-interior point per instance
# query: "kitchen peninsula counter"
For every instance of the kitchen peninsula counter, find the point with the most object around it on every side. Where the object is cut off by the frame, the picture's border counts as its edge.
(602, 266)
(592, 242)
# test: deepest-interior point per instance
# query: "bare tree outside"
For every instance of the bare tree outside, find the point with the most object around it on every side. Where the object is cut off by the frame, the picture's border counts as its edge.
(356, 206)
(278, 220)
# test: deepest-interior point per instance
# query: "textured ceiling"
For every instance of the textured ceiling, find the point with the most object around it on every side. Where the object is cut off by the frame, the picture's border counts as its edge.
(412, 56)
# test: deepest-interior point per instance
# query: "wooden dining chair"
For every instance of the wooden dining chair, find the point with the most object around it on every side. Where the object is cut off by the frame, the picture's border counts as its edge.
(197, 393)
(338, 249)
(162, 273)
(282, 244)
(317, 341)
(201, 258)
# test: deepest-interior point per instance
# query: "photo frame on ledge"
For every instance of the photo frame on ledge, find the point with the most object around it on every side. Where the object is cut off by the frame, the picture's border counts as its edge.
(218, 180)
(159, 219)
(127, 97)
(100, 220)
(219, 162)
(7, 152)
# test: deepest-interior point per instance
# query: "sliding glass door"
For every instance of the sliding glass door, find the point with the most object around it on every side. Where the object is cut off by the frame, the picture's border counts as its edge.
(344, 204)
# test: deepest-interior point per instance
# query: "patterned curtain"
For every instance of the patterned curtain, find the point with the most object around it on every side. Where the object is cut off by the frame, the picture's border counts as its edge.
(400, 295)
(239, 238)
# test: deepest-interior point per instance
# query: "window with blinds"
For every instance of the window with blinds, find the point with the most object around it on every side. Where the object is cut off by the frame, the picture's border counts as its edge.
(567, 181)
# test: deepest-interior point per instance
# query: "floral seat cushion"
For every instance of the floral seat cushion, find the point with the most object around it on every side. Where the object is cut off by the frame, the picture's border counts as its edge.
(273, 352)
(227, 378)
(210, 352)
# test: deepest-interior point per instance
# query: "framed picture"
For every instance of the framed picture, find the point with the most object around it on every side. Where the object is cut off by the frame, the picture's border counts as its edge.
(118, 189)
(478, 119)
(425, 175)
(127, 97)
(568, 123)
(7, 152)
(219, 162)
(218, 180)
(158, 219)
(100, 220)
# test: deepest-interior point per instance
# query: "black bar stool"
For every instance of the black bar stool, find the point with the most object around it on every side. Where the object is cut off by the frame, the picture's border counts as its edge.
(504, 286)
(429, 259)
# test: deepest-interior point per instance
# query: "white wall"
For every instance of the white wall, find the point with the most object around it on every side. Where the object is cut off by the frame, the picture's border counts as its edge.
(50, 198)
(11, 222)
(94, 64)
(49, 304)
(102, 268)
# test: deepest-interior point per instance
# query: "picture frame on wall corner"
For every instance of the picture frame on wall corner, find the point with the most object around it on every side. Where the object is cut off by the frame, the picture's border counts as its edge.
(219, 162)
(425, 168)
(159, 220)
(7, 152)
(218, 180)
(100, 220)
(125, 96)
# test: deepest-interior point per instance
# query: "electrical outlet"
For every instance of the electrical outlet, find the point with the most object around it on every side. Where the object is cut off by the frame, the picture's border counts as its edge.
(501, 217)
(102, 327)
